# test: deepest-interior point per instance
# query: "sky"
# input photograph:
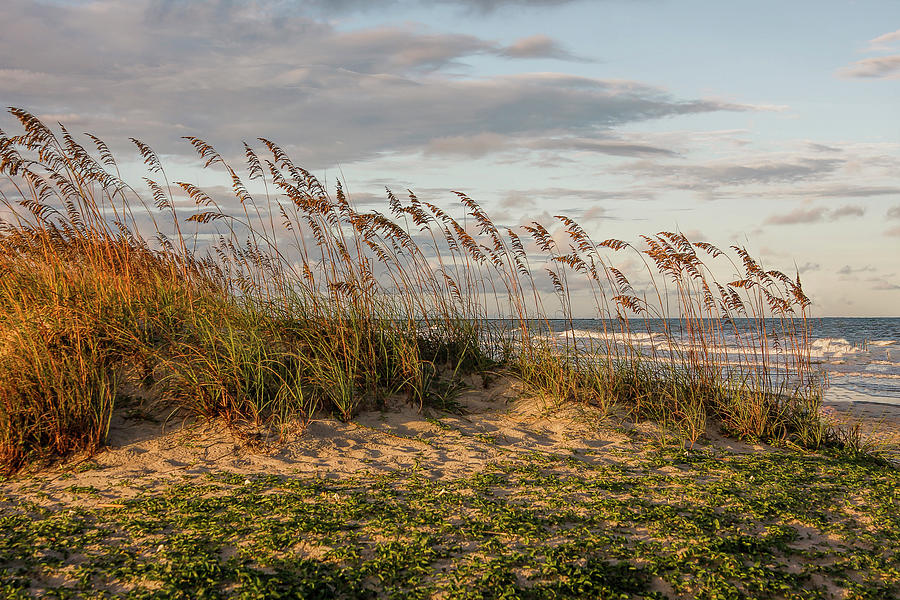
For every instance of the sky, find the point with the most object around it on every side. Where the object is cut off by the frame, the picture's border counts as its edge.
(769, 124)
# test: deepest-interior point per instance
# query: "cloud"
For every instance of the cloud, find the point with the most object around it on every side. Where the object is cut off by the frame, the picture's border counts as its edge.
(475, 6)
(226, 71)
(471, 146)
(616, 147)
(848, 270)
(885, 285)
(815, 215)
(798, 216)
(823, 148)
(844, 190)
(486, 6)
(518, 199)
(594, 213)
(711, 176)
(848, 171)
(878, 67)
(809, 267)
(884, 42)
(554, 195)
(847, 211)
(538, 46)
(768, 172)
(483, 143)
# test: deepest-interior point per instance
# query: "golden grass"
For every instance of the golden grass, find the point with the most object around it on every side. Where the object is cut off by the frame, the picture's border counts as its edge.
(303, 302)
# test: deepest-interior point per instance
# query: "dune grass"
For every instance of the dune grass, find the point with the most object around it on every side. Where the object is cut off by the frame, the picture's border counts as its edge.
(284, 299)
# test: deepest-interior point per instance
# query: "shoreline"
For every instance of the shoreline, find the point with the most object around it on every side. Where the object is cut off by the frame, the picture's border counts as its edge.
(880, 422)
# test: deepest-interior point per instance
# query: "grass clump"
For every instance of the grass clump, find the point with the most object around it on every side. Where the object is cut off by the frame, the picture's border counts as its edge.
(287, 299)
(67, 327)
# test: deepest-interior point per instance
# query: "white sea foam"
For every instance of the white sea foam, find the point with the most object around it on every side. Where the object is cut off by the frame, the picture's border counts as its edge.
(617, 336)
(832, 347)
(867, 373)
(857, 359)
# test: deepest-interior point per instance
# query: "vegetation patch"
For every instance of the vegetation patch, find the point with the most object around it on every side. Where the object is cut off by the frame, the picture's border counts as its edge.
(666, 523)
(281, 299)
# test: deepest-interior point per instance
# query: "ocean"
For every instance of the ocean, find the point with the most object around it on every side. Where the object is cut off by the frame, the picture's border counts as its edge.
(859, 358)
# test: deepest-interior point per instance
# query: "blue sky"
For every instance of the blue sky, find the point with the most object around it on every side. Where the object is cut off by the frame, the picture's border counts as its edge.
(770, 124)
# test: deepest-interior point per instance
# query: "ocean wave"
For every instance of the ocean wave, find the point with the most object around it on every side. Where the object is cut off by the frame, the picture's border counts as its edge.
(617, 336)
(864, 374)
(831, 353)
(827, 347)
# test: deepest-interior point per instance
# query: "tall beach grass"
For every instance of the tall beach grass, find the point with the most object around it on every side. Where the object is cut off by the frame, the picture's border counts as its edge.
(284, 299)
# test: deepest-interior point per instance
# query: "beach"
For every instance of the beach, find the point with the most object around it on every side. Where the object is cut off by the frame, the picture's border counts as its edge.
(440, 504)
(335, 406)
(878, 420)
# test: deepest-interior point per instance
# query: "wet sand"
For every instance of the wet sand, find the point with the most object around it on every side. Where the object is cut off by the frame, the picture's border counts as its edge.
(877, 416)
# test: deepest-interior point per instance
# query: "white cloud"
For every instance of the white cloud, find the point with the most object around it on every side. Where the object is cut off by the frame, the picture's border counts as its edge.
(884, 42)
(848, 270)
(878, 67)
(847, 211)
(815, 215)
(798, 216)
(539, 46)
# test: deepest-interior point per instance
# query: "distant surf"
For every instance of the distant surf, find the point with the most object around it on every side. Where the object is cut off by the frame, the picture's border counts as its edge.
(859, 358)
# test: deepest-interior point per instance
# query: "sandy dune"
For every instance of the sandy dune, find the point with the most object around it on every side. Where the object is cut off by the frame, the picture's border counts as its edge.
(496, 424)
